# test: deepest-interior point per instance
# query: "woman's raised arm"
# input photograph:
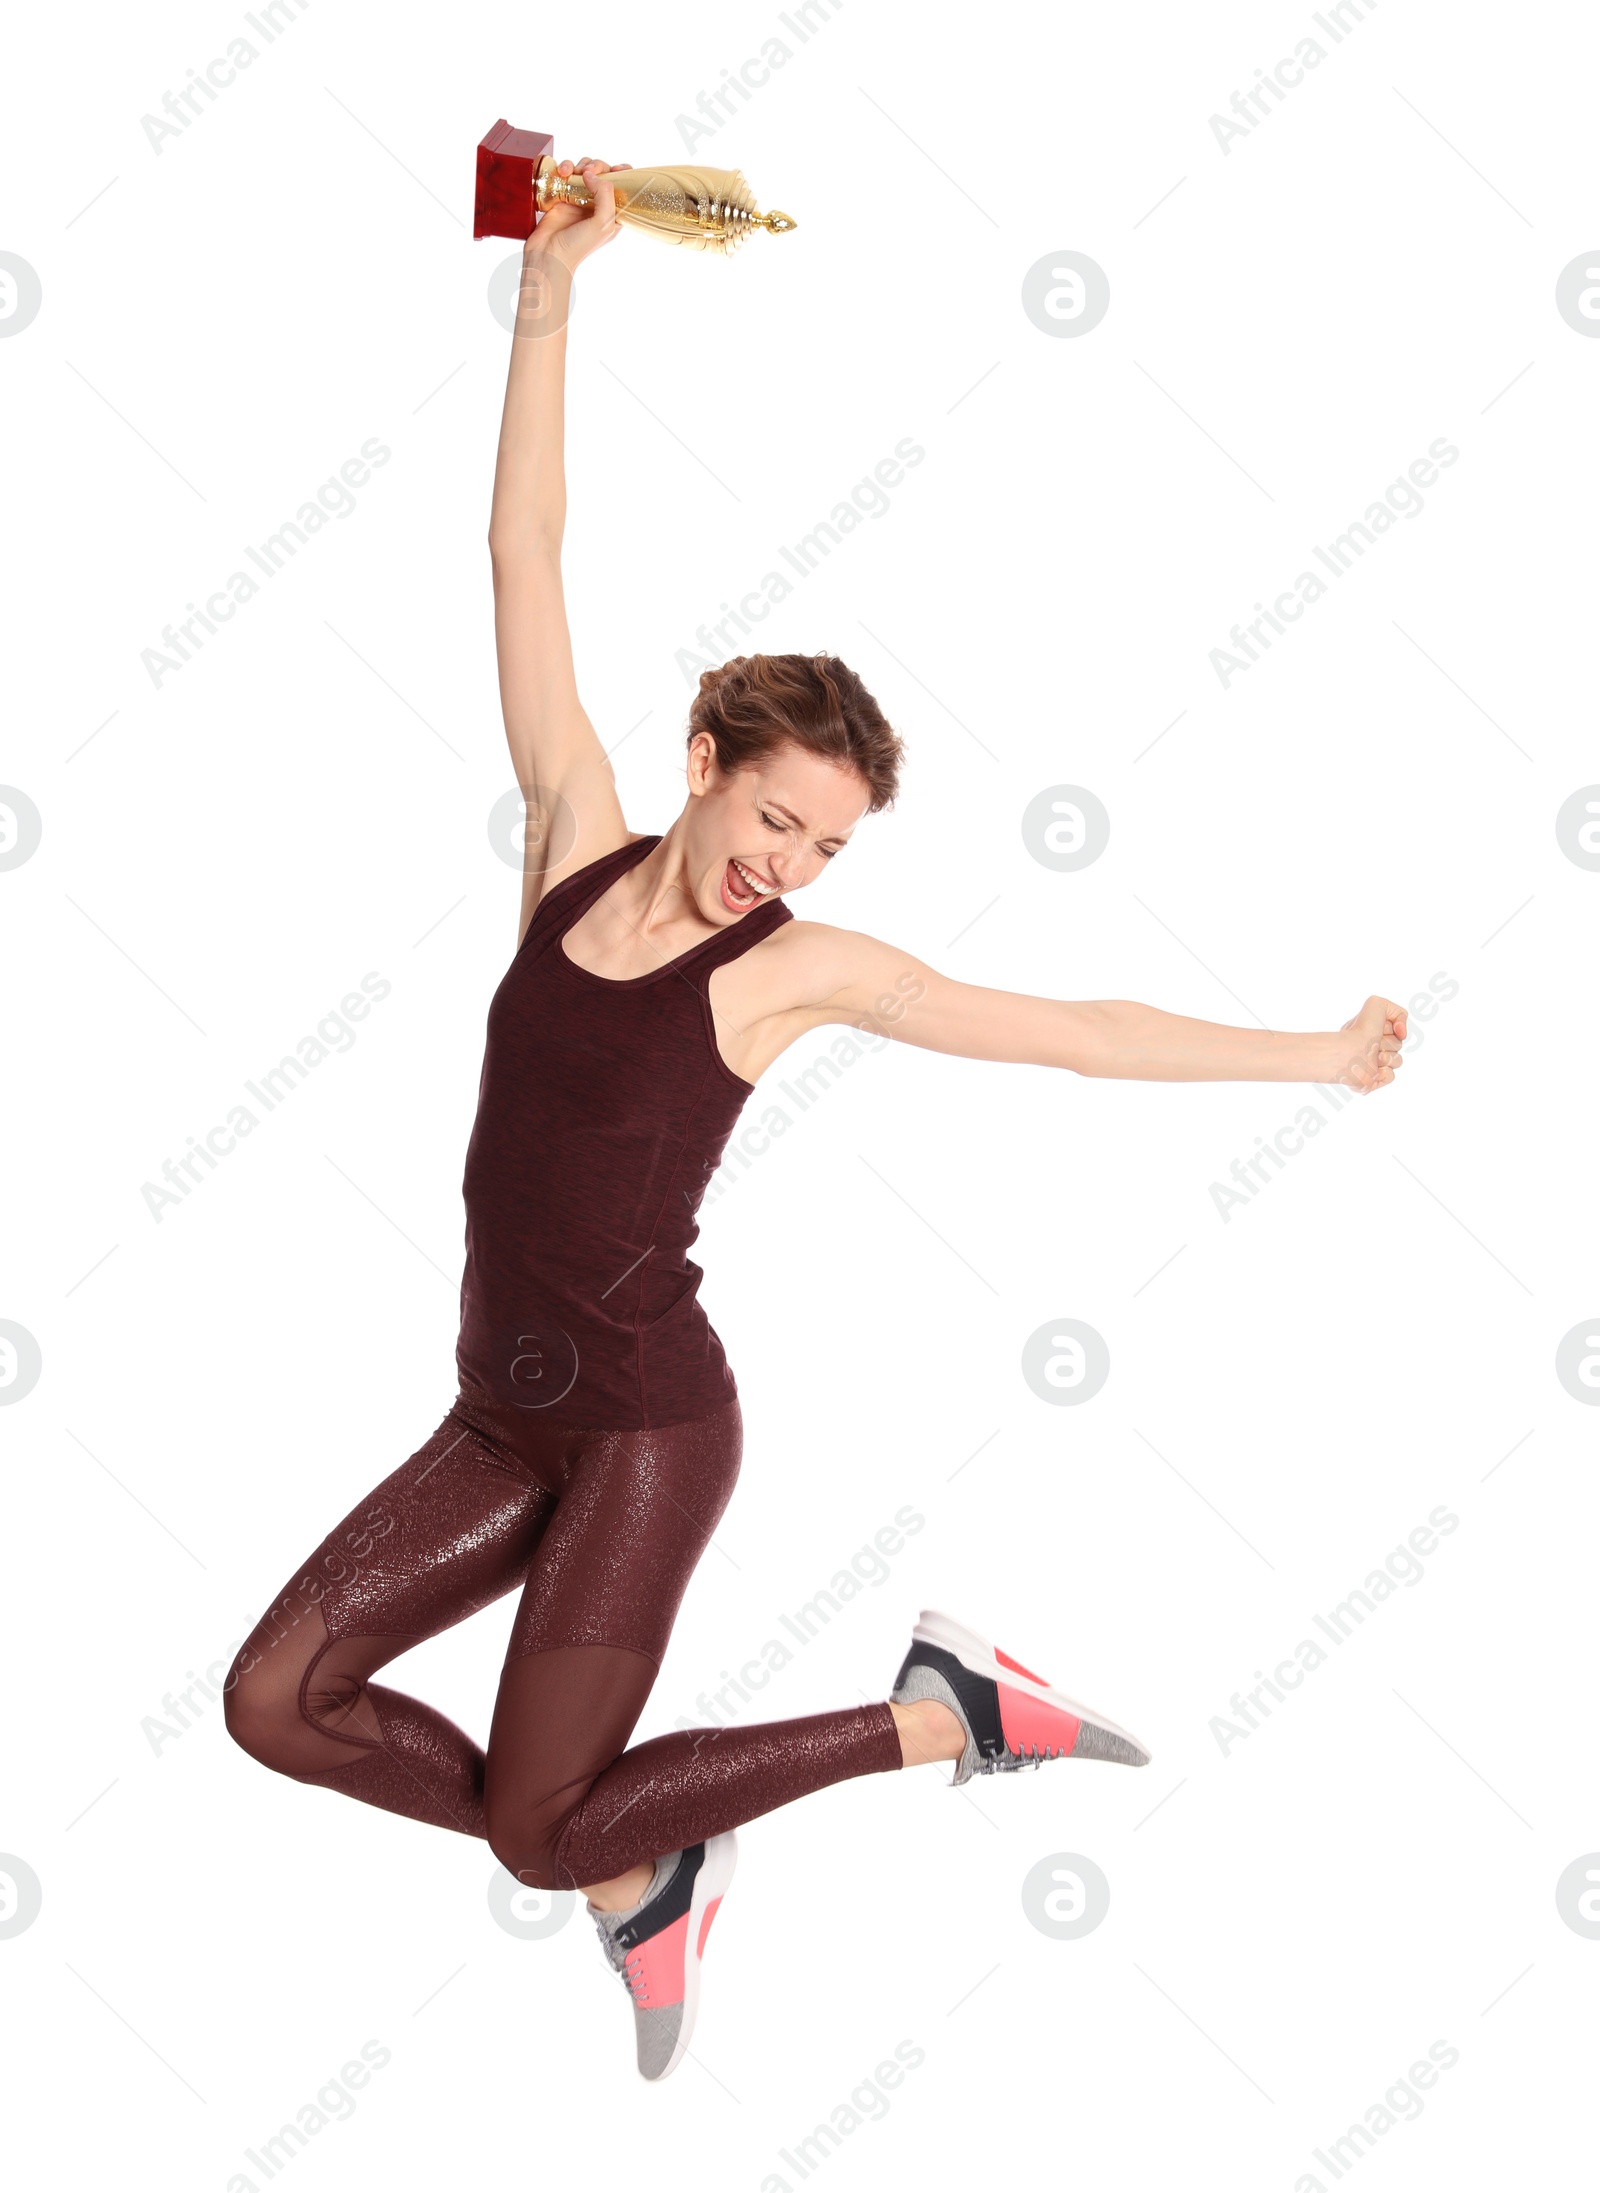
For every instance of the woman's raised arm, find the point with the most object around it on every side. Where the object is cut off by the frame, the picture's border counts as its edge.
(555, 751)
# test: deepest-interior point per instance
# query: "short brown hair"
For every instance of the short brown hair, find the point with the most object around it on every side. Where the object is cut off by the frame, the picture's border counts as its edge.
(757, 703)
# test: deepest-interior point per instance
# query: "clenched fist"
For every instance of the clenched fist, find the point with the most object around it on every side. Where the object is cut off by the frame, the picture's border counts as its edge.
(1371, 1047)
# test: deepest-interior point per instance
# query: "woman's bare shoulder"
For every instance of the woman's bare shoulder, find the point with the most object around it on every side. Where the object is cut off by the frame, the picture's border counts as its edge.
(809, 947)
(807, 963)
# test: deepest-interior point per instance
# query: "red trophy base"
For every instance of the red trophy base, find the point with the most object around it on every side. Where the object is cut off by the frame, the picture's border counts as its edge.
(508, 168)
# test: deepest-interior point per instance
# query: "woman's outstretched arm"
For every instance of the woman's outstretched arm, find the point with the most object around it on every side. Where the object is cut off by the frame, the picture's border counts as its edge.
(837, 975)
(573, 812)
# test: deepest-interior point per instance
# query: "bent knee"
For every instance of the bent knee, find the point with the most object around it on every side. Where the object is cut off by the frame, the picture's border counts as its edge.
(262, 1709)
(527, 1842)
(534, 1864)
(530, 1859)
(256, 1725)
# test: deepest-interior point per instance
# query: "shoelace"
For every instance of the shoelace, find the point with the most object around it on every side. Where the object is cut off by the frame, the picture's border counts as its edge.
(1014, 1762)
(627, 1964)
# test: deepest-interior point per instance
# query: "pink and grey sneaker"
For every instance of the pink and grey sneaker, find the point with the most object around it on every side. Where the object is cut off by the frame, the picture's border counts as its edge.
(658, 1944)
(1012, 1717)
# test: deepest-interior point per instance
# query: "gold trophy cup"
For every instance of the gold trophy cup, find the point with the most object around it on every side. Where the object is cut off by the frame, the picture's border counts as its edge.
(704, 209)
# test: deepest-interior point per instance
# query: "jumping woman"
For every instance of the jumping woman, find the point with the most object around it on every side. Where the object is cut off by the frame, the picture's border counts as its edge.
(595, 1439)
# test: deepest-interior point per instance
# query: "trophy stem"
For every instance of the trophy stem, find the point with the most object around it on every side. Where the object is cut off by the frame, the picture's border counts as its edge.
(551, 189)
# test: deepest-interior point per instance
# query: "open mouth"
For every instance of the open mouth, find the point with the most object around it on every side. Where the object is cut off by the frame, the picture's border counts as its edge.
(743, 887)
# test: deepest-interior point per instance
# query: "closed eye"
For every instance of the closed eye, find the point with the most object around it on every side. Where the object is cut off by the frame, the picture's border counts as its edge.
(827, 851)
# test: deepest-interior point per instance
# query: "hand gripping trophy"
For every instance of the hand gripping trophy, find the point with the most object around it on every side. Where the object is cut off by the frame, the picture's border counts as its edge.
(705, 209)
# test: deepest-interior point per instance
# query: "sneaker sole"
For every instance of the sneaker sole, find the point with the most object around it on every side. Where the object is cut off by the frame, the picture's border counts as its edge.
(977, 1654)
(711, 1882)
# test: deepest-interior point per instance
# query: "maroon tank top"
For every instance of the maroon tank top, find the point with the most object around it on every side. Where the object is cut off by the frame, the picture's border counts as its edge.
(603, 1110)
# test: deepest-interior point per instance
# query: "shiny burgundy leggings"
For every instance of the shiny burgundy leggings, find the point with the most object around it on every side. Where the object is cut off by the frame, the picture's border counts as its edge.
(602, 1530)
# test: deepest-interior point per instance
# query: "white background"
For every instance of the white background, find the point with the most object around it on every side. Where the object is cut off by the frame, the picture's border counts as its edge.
(1372, 1336)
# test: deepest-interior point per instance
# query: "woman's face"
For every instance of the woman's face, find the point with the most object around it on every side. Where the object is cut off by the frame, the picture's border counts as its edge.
(753, 833)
